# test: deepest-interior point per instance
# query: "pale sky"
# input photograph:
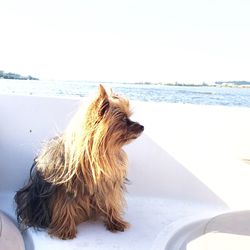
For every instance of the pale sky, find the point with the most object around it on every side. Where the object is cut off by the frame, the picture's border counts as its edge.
(129, 40)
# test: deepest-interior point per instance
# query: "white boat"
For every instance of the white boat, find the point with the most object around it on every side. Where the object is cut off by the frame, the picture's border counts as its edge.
(186, 170)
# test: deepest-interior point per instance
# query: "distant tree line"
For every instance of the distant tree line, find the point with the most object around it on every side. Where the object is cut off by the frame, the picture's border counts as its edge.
(9, 75)
(234, 82)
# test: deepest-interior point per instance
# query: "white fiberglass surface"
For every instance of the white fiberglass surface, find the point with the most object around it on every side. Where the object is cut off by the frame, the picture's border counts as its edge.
(225, 231)
(148, 216)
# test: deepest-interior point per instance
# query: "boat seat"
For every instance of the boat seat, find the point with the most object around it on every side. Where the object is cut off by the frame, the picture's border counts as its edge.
(10, 236)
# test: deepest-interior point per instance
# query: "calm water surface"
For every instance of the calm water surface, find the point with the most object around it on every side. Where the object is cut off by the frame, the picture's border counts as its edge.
(156, 93)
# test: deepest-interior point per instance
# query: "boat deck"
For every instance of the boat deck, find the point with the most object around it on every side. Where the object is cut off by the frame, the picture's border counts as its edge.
(190, 163)
(148, 216)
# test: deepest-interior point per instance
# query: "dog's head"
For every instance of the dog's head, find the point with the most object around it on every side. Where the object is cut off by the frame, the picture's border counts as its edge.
(108, 117)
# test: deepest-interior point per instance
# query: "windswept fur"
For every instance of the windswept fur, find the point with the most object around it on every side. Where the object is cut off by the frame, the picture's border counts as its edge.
(80, 175)
(36, 194)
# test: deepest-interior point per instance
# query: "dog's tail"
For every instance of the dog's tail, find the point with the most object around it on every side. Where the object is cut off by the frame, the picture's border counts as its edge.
(33, 201)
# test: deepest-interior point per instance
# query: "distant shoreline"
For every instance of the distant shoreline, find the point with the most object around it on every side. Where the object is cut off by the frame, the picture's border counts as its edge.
(219, 84)
(15, 76)
(233, 84)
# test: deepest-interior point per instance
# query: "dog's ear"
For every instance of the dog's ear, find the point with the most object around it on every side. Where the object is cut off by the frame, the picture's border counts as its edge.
(103, 101)
(111, 92)
(104, 107)
(102, 92)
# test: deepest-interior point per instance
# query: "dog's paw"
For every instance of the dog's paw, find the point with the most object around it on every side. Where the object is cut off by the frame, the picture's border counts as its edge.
(63, 235)
(116, 226)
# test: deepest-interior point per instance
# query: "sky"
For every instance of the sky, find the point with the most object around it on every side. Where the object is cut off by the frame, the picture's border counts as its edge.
(126, 41)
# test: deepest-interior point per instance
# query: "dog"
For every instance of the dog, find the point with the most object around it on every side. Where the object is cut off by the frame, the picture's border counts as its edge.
(81, 174)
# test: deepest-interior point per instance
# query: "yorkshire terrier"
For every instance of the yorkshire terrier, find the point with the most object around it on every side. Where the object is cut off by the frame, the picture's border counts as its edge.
(80, 175)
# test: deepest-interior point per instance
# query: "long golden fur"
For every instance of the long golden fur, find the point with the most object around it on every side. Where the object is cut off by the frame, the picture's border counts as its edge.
(80, 175)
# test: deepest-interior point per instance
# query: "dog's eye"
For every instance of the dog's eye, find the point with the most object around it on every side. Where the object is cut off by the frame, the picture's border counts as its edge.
(124, 119)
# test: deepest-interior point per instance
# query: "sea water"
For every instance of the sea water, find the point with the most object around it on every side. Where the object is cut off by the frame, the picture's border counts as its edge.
(141, 92)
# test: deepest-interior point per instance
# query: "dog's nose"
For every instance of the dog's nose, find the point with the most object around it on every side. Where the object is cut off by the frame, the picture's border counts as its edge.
(136, 127)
